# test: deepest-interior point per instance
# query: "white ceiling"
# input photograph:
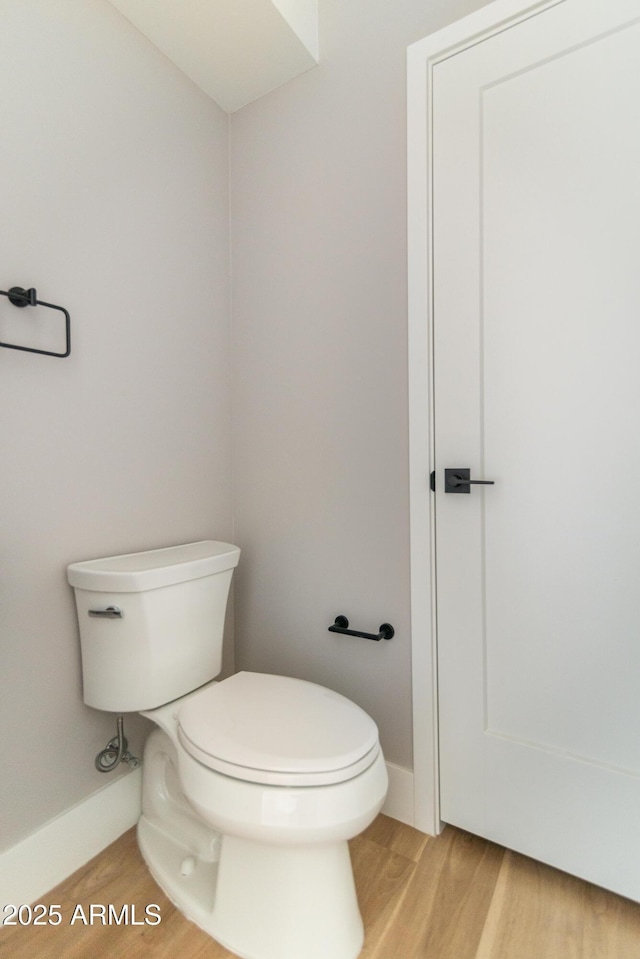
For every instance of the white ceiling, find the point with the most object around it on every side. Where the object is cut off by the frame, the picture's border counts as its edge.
(234, 50)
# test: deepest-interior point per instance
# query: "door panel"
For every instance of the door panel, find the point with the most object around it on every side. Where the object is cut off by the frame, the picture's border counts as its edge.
(536, 302)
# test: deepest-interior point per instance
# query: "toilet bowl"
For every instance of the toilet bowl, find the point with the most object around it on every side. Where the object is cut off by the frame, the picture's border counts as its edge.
(252, 786)
(272, 879)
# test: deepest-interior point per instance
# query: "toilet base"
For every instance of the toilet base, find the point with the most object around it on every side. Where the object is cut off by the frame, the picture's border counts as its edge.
(259, 900)
(181, 850)
(285, 902)
(189, 881)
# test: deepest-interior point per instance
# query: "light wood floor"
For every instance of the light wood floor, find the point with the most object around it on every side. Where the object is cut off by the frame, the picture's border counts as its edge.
(454, 897)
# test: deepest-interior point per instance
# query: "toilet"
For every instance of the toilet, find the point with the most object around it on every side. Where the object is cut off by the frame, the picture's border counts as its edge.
(252, 786)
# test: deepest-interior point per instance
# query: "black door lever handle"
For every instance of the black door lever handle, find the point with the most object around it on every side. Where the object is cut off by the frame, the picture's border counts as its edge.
(459, 481)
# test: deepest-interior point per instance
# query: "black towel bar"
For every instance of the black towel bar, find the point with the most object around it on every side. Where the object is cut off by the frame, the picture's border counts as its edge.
(20, 297)
(341, 625)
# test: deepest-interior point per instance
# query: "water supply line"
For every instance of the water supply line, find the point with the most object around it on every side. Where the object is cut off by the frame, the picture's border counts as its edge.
(116, 751)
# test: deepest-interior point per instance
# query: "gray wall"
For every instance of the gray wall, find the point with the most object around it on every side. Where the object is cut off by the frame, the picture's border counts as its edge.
(318, 213)
(115, 204)
(113, 179)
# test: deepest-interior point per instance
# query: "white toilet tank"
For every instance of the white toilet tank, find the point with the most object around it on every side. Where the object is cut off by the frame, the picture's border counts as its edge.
(151, 624)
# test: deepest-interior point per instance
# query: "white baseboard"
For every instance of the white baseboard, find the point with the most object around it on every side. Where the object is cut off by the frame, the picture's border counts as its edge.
(399, 802)
(52, 853)
(48, 856)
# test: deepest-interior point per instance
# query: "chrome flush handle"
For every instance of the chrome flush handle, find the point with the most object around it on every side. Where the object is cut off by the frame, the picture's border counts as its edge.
(110, 612)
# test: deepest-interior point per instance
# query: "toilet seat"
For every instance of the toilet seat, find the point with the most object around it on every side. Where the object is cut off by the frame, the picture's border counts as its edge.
(277, 730)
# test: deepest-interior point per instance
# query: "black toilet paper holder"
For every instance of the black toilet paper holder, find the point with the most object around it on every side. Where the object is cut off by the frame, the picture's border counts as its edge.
(341, 625)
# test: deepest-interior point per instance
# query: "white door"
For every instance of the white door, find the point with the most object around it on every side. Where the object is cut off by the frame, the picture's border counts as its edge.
(536, 301)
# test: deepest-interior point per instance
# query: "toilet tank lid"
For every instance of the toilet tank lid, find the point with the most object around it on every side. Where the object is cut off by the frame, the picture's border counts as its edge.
(135, 572)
